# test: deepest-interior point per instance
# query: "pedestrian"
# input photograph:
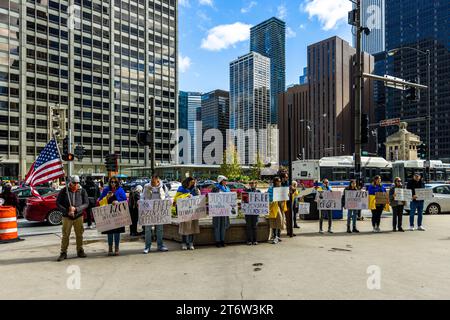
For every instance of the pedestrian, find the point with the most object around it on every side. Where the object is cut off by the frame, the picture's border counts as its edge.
(377, 208)
(114, 194)
(295, 200)
(72, 201)
(133, 202)
(416, 205)
(155, 190)
(188, 189)
(325, 187)
(276, 212)
(251, 221)
(10, 199)
(221, 224)
(397, 206)
(352, 215)
(93, 193)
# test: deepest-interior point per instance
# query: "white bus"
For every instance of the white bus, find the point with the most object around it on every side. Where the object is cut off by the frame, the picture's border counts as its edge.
(440, 172)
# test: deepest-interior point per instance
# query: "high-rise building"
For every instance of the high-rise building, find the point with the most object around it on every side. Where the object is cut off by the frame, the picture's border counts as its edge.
(304, 78)
(373, 17)
(107, 62)
(269, 39)
(191, 103)
(423, 25)
(250, 99)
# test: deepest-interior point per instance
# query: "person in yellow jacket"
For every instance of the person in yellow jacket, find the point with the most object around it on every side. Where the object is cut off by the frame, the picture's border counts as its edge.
(276, 213)
(295, 200)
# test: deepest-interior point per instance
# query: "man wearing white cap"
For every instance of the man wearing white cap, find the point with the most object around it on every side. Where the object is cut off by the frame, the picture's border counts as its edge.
(221, 224)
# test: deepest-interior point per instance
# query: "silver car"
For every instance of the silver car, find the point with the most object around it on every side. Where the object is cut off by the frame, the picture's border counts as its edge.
(440, 202)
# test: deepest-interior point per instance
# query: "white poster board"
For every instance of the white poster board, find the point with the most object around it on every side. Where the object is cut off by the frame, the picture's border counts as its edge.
(356, 200)
(281, 194)
(222, 204)
(258, 204)
(403, 195)
(155, 212)
(329, 200)
(424, 194)
(189, 209)
(112, 217)
(304, 208)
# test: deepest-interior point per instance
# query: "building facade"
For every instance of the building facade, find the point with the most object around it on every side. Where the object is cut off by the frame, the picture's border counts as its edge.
(107, 62)
(373, 16)
(402, 145)
(269, 39)
(191, 103)
(303, 79)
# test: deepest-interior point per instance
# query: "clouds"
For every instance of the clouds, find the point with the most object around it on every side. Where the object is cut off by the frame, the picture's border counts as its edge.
(187, 4)
(206, 3)
(290, 33)
(227, 35)
(184, 63)
(282, 12)
(249, 7)
(329, 13)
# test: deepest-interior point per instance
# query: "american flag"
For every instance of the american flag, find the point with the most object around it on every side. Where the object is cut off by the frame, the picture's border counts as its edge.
(47, 167)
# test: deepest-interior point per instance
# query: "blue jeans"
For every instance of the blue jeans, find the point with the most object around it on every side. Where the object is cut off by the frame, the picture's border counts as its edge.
(416, 205)
(115, 237)
(352, 215)
(148, 236)
(188, 239)
(220, 228)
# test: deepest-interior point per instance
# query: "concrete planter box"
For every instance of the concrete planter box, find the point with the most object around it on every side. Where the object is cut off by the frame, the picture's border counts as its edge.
(235, 234)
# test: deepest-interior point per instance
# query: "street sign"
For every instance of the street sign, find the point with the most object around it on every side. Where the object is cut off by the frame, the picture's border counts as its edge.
(390, 122)
(394, 84)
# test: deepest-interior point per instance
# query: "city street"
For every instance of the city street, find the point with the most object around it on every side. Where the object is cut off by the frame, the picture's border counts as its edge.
(411, 265)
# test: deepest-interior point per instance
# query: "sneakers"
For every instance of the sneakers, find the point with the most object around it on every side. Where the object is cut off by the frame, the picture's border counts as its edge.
(374, 230)
(378, 230)
(275, 241)
(330, 231)
(81, 254)
(321, 231)
(62, 256)
(184, 247)
(146, 250)
(191, 247)
(412, 229)
(249, 243)
(255, 243)
(421, 228)
(92, 226)
(163, 249)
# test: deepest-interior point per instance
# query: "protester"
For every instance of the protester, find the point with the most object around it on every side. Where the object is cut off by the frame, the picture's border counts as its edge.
(94, 193)
(294, 198)
(397, 206)
(377, 209)
(325, 187)
(416, 205)
(187, 229)
(133, 202)
(9, 197)
(352, 215)
(114, 194)
(155, 190)
(221, 224)
(251, 221)
(72, 201)
(276, 212)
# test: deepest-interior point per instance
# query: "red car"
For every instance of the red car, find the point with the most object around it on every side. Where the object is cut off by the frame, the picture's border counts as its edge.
(237, 187)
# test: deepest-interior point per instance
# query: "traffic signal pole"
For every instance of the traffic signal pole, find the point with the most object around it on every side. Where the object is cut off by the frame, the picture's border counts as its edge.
(358, 93)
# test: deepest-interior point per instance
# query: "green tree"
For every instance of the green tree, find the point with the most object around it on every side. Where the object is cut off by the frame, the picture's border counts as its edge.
(231, 167)
(256, 168)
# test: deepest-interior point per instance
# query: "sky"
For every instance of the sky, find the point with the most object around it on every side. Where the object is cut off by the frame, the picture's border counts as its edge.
(212, 33)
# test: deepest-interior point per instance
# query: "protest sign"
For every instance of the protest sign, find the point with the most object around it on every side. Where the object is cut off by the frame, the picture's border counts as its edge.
(403, 195)
(155, 212)
(222, 204)
(281, 194)
(258, 204)
(303, 193)
(381, 198)
(356, 200)
(304, 207)
(112, 217)
(329, 200)
(424, 194)
(189, 209)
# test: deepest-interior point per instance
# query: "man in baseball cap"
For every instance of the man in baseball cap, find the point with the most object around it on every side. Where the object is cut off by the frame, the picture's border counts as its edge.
(221, 178)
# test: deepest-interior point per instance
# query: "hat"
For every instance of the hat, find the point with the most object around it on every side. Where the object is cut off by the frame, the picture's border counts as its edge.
(75, 179)
(221, 178)
(139, 189)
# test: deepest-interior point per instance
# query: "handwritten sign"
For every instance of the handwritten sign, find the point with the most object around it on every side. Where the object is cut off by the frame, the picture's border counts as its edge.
(403, 194)
(304, 208)
(381, 198)
(112, 217)
(424, 194)
(191, 208)
(222, 204)
(155, 212)
(281, 194)
(258, 204)
(356, 200)
(329, 200)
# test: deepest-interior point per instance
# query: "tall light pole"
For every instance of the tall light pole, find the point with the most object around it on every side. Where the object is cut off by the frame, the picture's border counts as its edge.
(312, 128)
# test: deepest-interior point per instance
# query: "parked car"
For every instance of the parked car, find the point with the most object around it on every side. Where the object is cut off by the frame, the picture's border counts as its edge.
(174, 185)
(128, 186)
(23, 194)
(440, 202)
(234, 187)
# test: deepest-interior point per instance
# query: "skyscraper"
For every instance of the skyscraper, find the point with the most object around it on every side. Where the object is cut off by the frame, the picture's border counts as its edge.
(304, 78)
(106, 61)
(191, 103)
(373, 17)
(269, 39)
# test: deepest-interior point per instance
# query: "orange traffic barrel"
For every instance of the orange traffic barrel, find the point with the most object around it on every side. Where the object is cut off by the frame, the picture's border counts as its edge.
(8, 224)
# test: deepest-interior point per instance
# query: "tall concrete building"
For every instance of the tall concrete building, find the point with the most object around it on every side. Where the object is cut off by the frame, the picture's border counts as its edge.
(269, 39)
(106, 61)
(250, 100)
(373, 17)
(191, 104)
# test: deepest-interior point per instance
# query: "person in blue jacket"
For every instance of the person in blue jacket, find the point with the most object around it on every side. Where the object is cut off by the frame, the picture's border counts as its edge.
(373, 189)
(115, 194)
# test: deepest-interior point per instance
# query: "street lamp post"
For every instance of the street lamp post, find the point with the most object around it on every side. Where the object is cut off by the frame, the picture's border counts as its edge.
(312, 128)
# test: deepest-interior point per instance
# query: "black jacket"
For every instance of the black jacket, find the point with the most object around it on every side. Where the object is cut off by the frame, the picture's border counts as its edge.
(78, 199)
(413, 185)
(92, 190)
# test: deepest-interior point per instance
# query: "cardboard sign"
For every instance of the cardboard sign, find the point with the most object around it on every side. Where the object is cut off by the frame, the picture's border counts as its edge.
(303, 193)
(112, 217)
(222, 204)
(381, 198)
(304, 208)
(403, 195)
(155, 212)
(424, 194)
(281, 194)
(258, 204)
(356, 200)
(191, 208)
(329, 200)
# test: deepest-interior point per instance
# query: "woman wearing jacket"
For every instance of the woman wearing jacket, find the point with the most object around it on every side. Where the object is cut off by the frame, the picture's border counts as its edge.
(295, 200)
(221, 224)
(114, 194)
(397, 206)
(352, 215)
(155, 190)
(377, 209)
(189, 228)
(275, 212)
(251, 221)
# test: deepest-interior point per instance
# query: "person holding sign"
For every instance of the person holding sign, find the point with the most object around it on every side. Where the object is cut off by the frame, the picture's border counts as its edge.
(251, 221)
(113, 194)
(155, 190)
(415, 204)
(189, 228)
(352, 215)
(276, 212)
(397, 206)
(326, 187)
(221, 224)
(377, 202)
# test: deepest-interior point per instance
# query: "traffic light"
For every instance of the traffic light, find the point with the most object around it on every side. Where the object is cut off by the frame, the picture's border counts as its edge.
(66, 156)
(80, 151)
(422, 151)
(111, 162)
(365, 129)
(412, 94)
(144, 138)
